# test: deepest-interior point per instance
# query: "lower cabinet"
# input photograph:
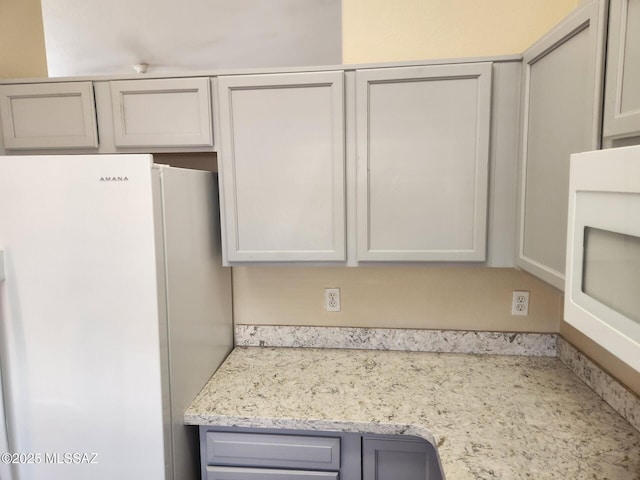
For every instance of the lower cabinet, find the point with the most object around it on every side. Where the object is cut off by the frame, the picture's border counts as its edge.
(397, 458)
(229, 453)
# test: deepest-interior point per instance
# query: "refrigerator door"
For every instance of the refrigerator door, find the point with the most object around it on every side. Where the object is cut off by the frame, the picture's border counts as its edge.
(79, 329)
(5, 468)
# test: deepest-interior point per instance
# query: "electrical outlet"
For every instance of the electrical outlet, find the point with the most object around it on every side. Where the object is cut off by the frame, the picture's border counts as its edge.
(332, 299)
(520, 303)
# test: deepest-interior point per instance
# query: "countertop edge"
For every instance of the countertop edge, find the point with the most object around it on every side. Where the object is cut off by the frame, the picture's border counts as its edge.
(312, 424)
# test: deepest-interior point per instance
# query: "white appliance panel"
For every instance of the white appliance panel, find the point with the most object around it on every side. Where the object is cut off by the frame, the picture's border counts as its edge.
(603, 259)
(80, 340)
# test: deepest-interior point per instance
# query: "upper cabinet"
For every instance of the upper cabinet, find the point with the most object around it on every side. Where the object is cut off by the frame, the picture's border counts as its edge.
(562, 97)
(282, 161)
(422, 162)
(162, 113)
(421, 156)
(622, 95)
(48, 116)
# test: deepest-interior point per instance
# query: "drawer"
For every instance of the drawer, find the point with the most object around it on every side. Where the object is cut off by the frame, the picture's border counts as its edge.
(235, 473)
(266, 450)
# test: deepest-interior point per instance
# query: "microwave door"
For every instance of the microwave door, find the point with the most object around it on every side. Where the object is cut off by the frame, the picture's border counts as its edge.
(603, 250)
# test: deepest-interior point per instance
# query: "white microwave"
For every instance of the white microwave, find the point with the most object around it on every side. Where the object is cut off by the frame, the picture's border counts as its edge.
(602, 283)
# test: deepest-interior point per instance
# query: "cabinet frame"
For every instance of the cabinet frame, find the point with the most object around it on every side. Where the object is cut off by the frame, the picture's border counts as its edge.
(590, 16)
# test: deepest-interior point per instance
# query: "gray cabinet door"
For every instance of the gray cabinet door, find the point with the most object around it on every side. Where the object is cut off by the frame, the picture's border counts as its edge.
(398, 459)
(422, 162)
(281, 163)
(562, 99)
(267, 450)
(622, 95)
(48, 116)
(169, 112)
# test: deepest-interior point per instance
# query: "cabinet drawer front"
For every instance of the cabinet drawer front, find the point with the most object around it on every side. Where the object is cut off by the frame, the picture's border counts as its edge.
(162, 113)
(48, 115)
(263, 450)
(231, 473)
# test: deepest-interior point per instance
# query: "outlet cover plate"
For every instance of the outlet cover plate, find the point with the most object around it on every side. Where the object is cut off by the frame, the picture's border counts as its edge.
(520, 303)
(332, 299)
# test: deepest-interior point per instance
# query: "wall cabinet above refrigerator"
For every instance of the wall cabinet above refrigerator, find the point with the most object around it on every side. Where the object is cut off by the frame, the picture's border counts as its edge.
(48, 116)
(171, 115)
(167, 112)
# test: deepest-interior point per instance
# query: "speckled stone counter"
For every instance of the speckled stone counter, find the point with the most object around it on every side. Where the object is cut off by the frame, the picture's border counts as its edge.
(490, 416)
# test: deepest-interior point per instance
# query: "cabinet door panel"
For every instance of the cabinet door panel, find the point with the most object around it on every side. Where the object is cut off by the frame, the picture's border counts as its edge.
(423, 151)
(235, 473)
(162, 112)
(282, 165)
(265, 450)
(622, 95)
(48, 115)
(562, 98)
(397, 459)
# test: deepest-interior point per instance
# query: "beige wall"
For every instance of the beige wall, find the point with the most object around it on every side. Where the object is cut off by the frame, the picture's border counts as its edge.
(383, 30)
(458, 298)
(22, 51)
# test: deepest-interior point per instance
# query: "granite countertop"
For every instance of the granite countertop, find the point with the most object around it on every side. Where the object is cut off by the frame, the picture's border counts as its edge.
(490, 416)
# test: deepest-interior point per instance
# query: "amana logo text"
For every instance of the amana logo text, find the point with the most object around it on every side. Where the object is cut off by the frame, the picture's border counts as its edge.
(114, 179)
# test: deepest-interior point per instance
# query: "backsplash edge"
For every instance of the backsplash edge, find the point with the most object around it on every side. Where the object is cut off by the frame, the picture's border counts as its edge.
(607, 387)
(413, 340)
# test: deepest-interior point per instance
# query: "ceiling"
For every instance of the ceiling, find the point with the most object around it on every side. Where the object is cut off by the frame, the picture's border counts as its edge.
(85, 37)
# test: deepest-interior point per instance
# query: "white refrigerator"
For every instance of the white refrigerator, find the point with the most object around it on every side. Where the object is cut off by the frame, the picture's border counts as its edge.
(114, 309)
